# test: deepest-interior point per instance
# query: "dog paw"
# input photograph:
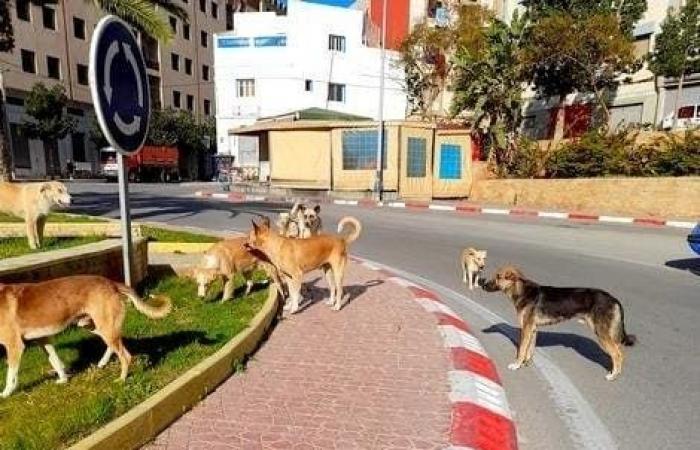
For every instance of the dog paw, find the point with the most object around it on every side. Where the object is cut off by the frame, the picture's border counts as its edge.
(329, 302)
(611, 376)
(514, 366)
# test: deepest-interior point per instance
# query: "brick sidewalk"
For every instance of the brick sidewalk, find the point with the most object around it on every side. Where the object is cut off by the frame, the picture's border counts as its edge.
(373, 375)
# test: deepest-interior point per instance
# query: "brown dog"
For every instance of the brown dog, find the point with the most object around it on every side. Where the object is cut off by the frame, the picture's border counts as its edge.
(41, 310)
(33, 202)
(295, 257)
(546, 305)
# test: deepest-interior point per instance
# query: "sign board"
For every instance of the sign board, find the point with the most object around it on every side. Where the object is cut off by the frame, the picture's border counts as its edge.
(694, 239)
(122, 101)
(119, 85)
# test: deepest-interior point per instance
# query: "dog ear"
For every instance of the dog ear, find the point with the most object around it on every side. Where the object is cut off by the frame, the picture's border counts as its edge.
(317, 208)
(266, 222)
(255, 226)
(471, 252)
(44, 187)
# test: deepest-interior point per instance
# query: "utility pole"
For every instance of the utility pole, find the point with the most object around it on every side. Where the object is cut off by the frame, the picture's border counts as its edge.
(380, 134)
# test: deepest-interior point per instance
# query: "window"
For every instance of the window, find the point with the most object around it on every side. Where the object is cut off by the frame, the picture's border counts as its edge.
(205, 72)
(245, 87)
(20, 148)
(78, 140)
(207, 107)
(186, 31)
(175, 61)
(203, 5)
(686, 112)
(336, 92)
(53, 67)
(229, 17)
(176, 99)
(173, 24)
(49, 15)
(28, 61)
(360, 150)
(450, 162)
(188, 66)
(190, 102)
(14, 101)
(214, 10)
(204, 38)
(640, 45)
(78, 28)
(415, 165)
(308, 85)
(24, 10)
(336, 43)
(83, 74)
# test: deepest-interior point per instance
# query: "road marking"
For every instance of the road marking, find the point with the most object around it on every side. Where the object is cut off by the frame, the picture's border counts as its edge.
(553, 215)
(432, 306)
(616, 219)
(442, 207)
(678, 224)
(396, 205)
(587, 430)
(456, 338)
(467, 386)
(219, 195)
(345, 202)
(503, 212)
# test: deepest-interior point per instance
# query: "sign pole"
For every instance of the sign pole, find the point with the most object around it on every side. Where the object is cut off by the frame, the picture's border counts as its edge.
(379, 180)
(125, 214)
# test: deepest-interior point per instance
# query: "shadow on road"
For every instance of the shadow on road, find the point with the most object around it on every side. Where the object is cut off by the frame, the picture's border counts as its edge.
(586, 347)
(691, 265)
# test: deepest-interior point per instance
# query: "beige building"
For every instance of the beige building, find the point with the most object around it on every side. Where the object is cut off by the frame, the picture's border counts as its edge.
(52, 45)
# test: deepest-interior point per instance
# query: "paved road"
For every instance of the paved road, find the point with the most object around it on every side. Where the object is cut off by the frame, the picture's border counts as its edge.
(563, 401)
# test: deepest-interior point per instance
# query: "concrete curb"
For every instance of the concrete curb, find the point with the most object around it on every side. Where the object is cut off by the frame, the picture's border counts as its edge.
(179, 247)
(142, 423)
(463, 208)
(481, 416)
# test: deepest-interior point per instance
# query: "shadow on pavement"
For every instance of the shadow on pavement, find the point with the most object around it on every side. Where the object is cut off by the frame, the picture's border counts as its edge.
(691, 265)
(586, 347)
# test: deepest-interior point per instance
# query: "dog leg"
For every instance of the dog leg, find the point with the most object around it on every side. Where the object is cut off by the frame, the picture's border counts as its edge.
(228, 290)
(40, 224)
(14, 355)
(105, 358)
(294, 294)
(56, 363)
(464, 273)
(613, 349)
(331, 285)
(526, 334)
(476, 279)
(248, 287)
(531, 348)
(338, 273)
(471, 283)
(31, 233)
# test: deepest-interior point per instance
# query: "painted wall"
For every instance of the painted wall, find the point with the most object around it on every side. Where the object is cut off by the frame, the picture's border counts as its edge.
(300, 158)
(397, 25)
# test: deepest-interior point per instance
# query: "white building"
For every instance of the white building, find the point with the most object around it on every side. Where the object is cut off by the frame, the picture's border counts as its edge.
(312, 57)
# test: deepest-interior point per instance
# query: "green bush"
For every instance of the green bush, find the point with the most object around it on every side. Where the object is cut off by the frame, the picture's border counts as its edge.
(681, 156)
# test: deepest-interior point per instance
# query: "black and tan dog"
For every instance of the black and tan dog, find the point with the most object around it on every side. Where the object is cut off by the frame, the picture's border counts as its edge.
(546, 305)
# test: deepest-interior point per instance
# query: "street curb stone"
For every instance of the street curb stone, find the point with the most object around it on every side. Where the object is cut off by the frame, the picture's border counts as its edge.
(463, 208)
(481, 416)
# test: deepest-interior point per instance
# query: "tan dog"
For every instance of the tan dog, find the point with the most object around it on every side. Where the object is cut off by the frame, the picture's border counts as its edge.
(41, 310)
(300, 222)
(473, 262)
(538, 305)
(295, 257)
(33, 202)
(224, 260)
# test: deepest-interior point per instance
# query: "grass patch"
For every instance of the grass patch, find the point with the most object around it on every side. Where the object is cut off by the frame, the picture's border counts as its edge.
(44, 415)
(17, 246)
(162, 235)
(56, 218)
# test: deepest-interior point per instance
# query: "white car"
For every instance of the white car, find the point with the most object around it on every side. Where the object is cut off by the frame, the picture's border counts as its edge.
(688, 117)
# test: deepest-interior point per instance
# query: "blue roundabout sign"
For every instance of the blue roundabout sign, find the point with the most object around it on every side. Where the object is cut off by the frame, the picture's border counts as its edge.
(694, 239)
(119, 85)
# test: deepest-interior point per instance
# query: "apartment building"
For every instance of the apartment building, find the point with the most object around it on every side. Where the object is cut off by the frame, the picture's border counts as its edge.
(52, 47)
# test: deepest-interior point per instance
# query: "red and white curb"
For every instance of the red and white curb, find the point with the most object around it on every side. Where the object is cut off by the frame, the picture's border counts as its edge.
(463, 208)
(481, 416)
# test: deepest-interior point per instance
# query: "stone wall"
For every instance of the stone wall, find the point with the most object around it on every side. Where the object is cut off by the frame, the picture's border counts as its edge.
(101, 258)
(664, 196)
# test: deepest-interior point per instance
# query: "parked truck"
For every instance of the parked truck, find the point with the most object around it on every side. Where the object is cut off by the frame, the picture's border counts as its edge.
(152, 163)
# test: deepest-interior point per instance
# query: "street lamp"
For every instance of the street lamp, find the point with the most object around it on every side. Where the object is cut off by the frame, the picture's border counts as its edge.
(380, 134)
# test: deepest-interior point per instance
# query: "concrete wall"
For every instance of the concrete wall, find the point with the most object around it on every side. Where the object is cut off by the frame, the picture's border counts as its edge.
(665, 197)
(102, 258)
(300, 158)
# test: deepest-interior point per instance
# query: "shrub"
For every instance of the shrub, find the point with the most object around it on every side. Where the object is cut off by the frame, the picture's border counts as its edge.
(681, 156)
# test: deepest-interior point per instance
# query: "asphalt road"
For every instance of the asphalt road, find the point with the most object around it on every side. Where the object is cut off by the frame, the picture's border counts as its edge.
(563, 400)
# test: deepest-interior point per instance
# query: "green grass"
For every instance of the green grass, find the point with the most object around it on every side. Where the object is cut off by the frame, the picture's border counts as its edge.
(163, 235)
(17, 246)
(45, 415)
(56, 218)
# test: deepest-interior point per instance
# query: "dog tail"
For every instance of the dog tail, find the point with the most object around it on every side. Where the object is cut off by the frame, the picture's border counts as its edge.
(356, 228)
(627, 340)
(159, 309)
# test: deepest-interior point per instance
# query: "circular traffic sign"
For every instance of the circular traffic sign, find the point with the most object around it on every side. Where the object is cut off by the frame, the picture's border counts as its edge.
(694, 239)
(119, 85)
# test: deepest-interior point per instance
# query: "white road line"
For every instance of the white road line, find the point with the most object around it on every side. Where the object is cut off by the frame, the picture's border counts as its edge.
(470, 387)
(553, 215)
(396, 205)
(678, 224)
(442, 207)
(345, 202)
(616, 219)
(503, 212)
(219, 195)
(432, 306)
(398, 280)
(587, 430)
(456, 338)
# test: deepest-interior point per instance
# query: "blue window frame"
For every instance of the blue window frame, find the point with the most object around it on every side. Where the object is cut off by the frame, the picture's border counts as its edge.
(450, 162)
(360, 149)
(415, 165)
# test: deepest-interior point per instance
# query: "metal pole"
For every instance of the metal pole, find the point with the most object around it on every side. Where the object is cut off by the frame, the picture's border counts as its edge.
(380, 141)
(125, 216)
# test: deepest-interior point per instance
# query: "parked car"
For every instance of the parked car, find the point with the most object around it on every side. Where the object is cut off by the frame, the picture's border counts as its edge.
(688, 117)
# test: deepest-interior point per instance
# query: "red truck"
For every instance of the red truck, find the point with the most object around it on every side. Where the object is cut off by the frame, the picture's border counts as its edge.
(150, 164)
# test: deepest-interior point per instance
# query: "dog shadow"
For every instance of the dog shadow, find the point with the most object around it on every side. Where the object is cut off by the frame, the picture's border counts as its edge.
(315, 294)
(691, 265)
(586, 347)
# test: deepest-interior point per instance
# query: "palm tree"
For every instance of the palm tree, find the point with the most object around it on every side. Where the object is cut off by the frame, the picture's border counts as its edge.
(142, 14)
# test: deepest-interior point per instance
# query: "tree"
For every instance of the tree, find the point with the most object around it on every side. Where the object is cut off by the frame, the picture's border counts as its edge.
(677, 49)
(426, 54)
(46, 107)
(489, 83)
(142, 14)
(628, 12)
